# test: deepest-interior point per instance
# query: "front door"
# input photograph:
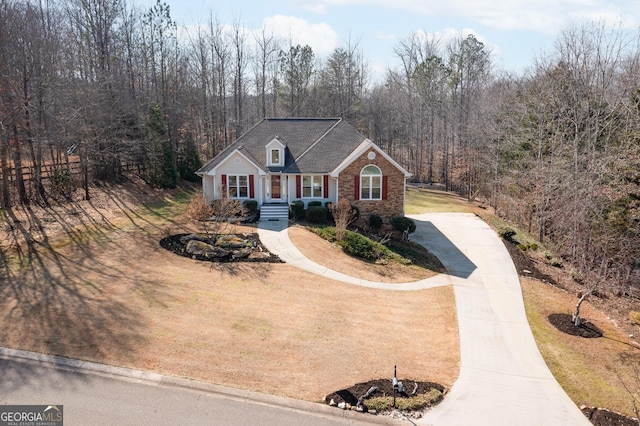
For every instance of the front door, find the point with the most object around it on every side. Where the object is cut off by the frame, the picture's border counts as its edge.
(275, 187)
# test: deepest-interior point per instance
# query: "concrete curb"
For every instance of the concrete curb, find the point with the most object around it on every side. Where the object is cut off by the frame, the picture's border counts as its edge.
(155, 379)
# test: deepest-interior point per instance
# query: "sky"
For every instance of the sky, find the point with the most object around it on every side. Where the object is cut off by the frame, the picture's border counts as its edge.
(515, 31)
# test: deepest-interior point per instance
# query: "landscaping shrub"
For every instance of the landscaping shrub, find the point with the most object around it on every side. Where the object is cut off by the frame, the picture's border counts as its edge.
(326, 232)
(402, 224)
(356, 214)
(343, 214)
(62, 183)
(317, 214)
(296, 208)
(634, 316)
(250, 207)
(523, 247)
(418, 402)
(314, 204)
(360, 246)
(507, 233)
(329, 206)
(375, 222)
(533, 246)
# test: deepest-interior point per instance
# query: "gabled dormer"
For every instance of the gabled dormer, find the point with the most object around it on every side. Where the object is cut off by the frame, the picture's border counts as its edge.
(275, 151)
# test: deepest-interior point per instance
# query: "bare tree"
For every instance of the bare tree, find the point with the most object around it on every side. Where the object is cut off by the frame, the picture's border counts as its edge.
(265, 68)
(343, 214)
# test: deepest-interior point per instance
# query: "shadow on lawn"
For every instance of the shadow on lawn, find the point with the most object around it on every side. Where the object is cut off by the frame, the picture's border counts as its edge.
(54, 294)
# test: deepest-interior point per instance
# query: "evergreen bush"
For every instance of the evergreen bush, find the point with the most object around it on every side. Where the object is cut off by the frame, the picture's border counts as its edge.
(402, 224)
(375, 222)
(317, 214)
(296, 208)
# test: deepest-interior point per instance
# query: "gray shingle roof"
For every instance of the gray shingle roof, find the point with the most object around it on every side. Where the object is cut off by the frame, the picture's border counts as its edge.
(314, 145)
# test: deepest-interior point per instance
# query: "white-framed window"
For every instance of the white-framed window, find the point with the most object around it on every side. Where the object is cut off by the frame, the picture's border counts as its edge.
(274, 157)
(371, 183)
(238, 186)
(312, 186)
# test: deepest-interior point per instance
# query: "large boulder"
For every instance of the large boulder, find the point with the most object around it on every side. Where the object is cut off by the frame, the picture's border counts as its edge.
(196, 247)
(198, 237)
(232, 242)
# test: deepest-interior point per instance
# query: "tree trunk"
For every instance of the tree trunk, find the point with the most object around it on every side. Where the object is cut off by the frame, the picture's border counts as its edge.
(4, 143)
(576, 313)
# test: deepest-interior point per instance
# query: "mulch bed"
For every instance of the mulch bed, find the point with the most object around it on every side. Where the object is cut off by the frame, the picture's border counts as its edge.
(351, 394)
(525, 265)
(174, 244)
(564, 323)
(602, 417)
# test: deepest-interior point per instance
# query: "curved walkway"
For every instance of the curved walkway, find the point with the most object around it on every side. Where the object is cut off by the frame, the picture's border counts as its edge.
(274, 235)
(503, 379)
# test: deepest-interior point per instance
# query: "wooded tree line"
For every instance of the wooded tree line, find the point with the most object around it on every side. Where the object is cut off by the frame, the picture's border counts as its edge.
(555, 149)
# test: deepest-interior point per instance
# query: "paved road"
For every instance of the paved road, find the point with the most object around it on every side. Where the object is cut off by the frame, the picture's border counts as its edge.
(103, 399)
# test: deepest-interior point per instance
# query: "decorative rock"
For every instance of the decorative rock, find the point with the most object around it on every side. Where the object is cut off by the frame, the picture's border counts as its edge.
(198, 237)
(230, 242)
(526, 271)
(241, 253)
(332, 403)
(196, 247)
(342, 405)
(259, 255)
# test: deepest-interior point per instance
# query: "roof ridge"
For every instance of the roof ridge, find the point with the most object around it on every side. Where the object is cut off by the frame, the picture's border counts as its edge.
(319, 139)
(301, 118)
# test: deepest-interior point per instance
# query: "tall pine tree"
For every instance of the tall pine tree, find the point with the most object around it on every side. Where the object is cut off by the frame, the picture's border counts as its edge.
(162, 171)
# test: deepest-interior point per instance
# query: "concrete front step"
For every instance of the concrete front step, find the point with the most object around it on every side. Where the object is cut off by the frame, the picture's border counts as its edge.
(274, 211)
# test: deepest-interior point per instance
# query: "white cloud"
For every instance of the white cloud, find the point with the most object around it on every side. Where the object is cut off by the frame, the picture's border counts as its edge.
(382, 35)
(546, 16)
(321, 37)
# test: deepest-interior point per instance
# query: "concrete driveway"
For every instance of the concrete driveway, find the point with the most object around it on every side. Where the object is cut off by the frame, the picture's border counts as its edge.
(503, 379)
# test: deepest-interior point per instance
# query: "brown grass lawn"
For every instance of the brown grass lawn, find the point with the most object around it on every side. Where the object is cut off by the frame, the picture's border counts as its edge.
(592, 371)
(94, 284)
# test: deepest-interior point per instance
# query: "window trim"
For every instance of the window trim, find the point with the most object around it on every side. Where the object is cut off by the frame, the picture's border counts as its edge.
(238, 186)
(279, 162)
(369, 179)
(313, 178)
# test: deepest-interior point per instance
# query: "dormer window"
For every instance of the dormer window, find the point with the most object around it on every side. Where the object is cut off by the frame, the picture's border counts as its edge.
(275, 156)
(275, 153)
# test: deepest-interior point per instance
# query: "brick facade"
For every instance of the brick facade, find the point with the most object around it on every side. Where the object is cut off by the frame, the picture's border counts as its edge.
(387, 208)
